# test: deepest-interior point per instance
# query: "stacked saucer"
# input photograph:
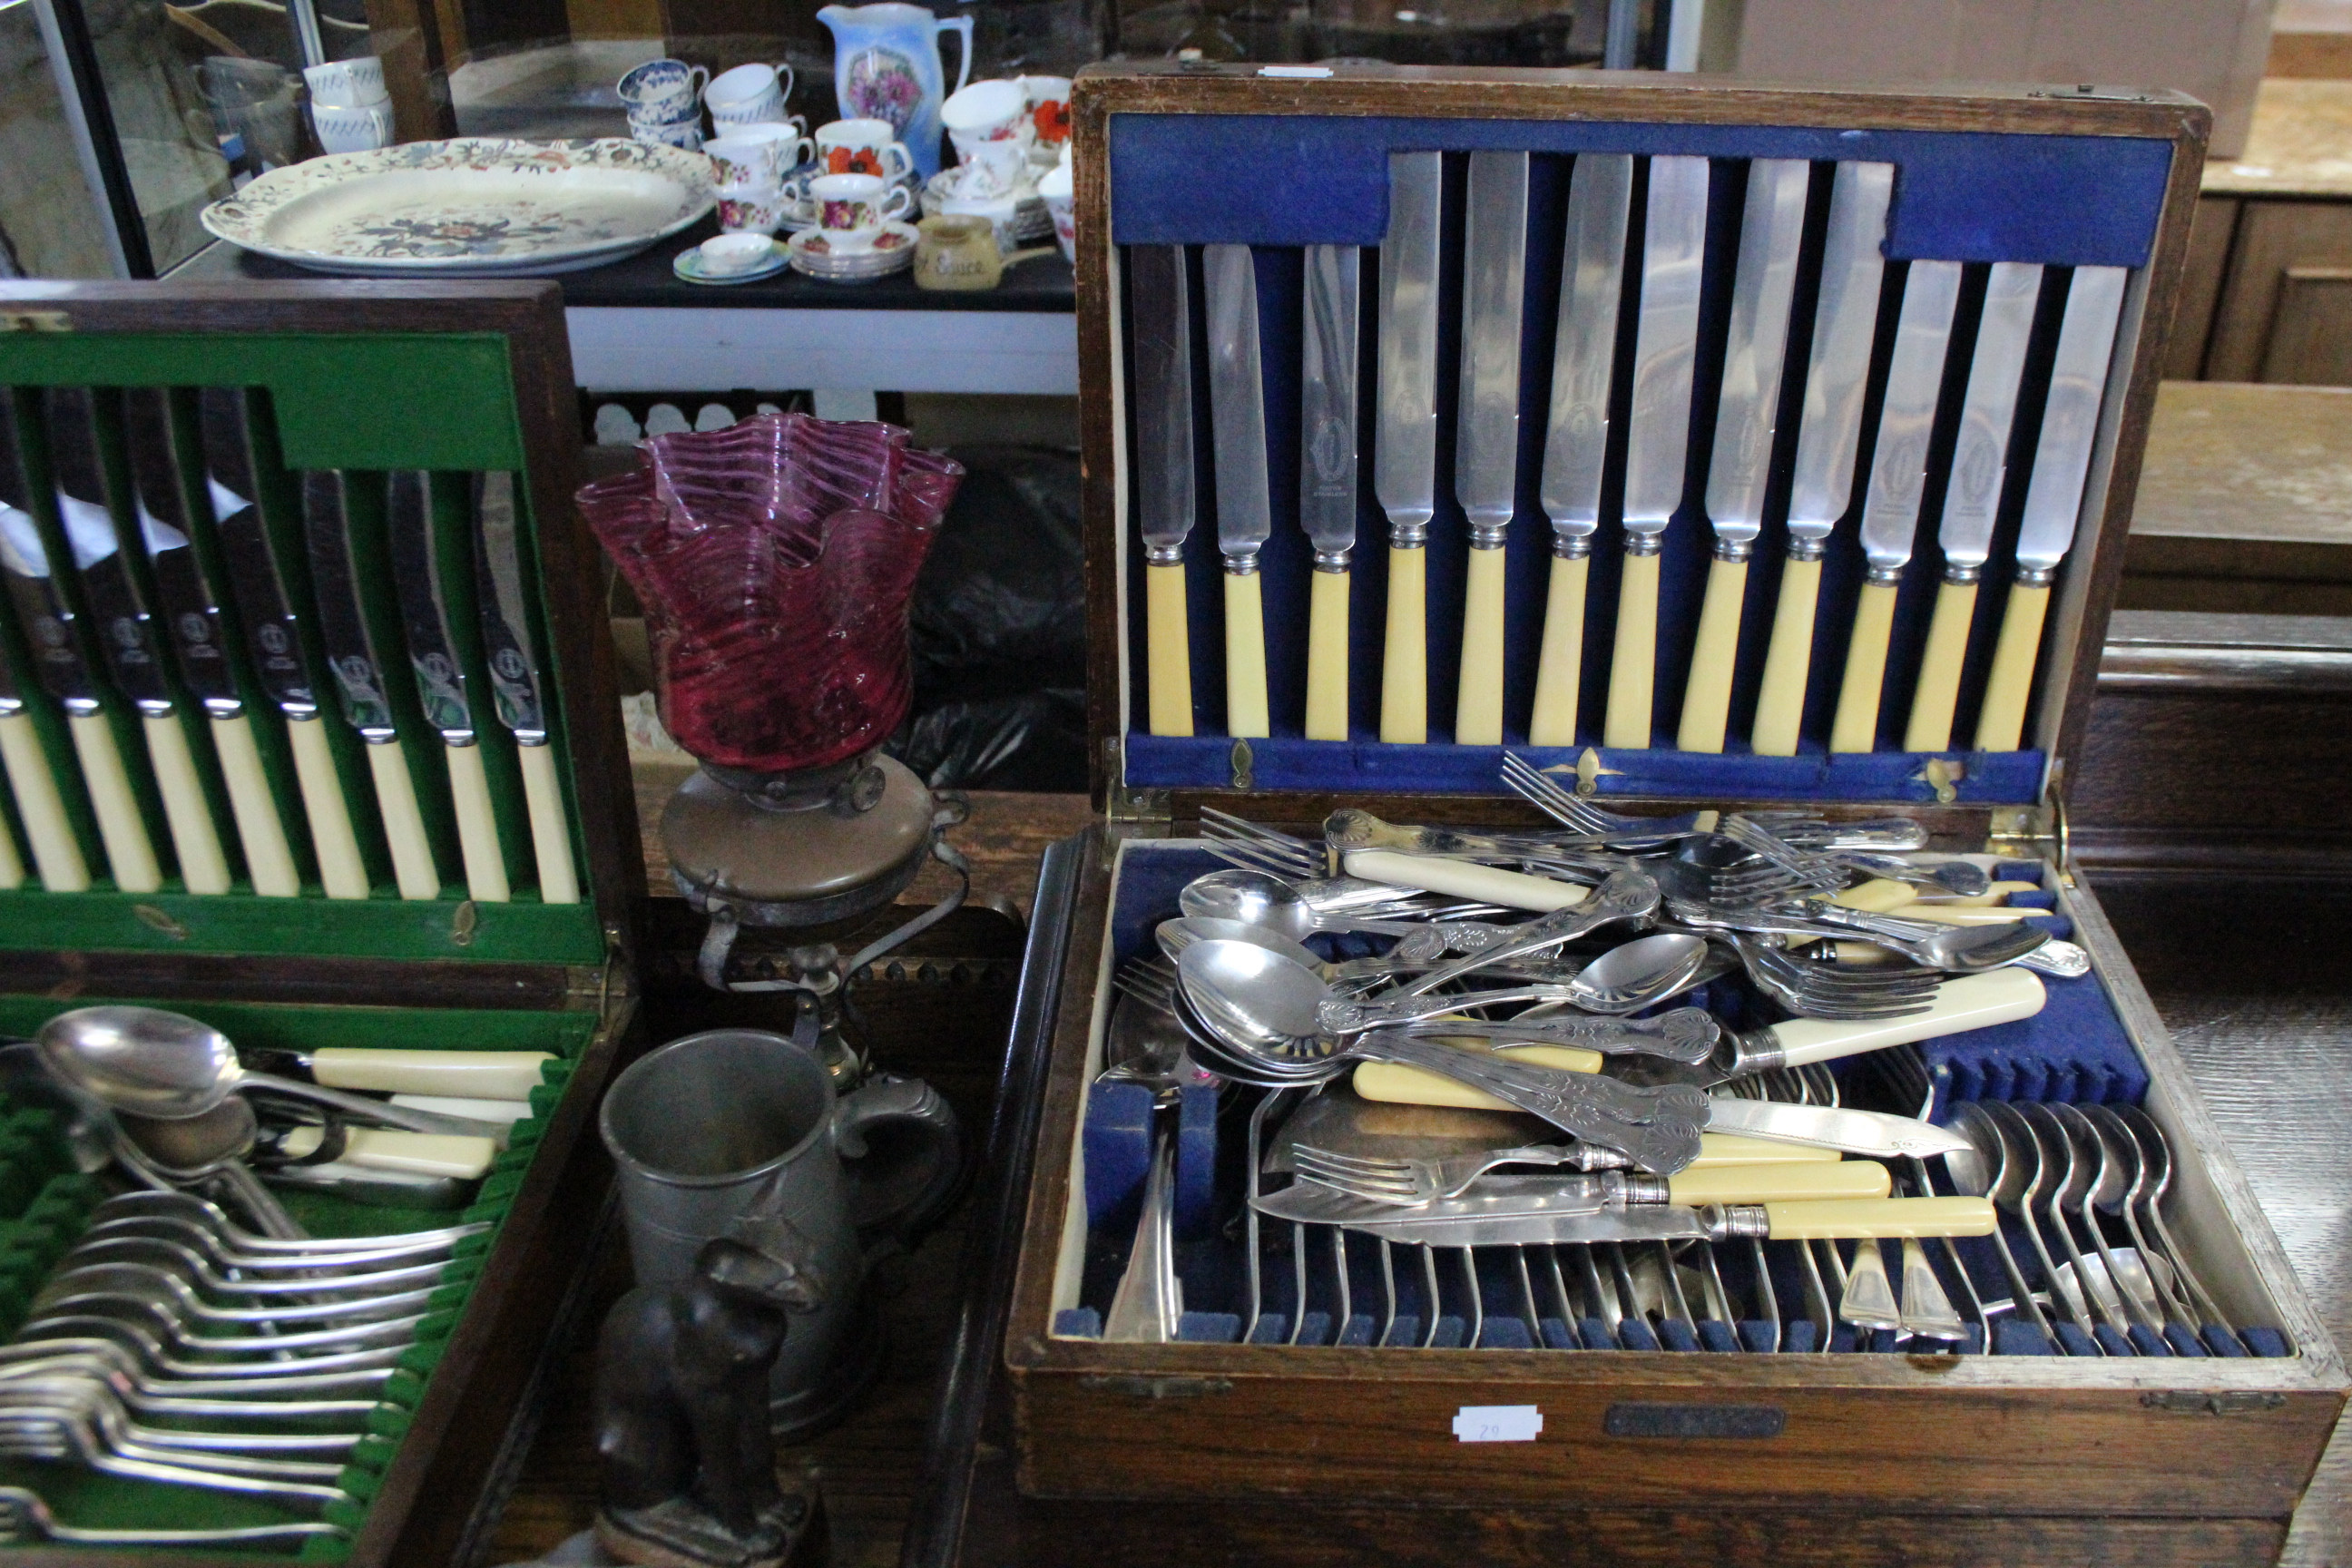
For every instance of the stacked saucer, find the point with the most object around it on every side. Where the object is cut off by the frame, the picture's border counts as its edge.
(892, 251)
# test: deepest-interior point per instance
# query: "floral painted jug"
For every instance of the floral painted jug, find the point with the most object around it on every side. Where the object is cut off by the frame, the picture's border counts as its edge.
(886, 65)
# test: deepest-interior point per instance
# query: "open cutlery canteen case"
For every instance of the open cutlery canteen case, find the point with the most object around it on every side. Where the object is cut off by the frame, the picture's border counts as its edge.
(1333, 1421)
(366, 386)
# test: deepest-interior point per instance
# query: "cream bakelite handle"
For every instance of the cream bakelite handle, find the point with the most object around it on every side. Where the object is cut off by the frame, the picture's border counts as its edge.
(341, 872)
(1633, 660)
(415, 1153)
(2000, 722)
(130, 853)
(1326, 658)
(48, 834)
(1245, 656)
(505, 1112)
(1929, 727)
(1970, 1002)
(1964, 914)
(1877, 896)
(467, 1075)
(268, 858)
(1560, 674)
(1168, 672)
(1856, 727)
(1706, 701)
(478, 826)
(12, 865)
(1404, 663)
(1840, 1179)
(1838, 1219)
(1465, 879)
(550, 830)
(404, 824)
(1478, 705)
(1787, 662)
(1399, 1085)
(204, 867)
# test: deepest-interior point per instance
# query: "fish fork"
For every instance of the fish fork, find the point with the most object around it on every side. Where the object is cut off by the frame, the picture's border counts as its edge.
(1240, 842)
(1579, 815)
(1814, 990)
(1417, 1180)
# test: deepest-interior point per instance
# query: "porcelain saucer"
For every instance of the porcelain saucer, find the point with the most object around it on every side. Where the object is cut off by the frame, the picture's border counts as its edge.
(689, 269)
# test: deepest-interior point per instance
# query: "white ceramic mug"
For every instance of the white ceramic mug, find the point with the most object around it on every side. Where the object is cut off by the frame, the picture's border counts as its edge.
(359, 130)
(989, 168)
(755, 154)
(852, 208)
(347, 84)
(749, 94)
(661, 91)
(876, 137)
(986, 110)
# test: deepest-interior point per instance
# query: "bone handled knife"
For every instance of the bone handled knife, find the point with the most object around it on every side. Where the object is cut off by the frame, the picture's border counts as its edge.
(1159, 307)
(1973, 494)
(1576, 443)
(1845, 320)
(1795, 1220)
(412, 499)
(1673, 251)
(1898, 473)
(2053, 496)
(273, 638)
(15, 729)
(1326, 475)
(1245, 506)
(515, 682)
(359, 675)
(191, 617)
(53, 636)
(1404, 460)
(1486, 438)
(1746, 410)
(126, 640)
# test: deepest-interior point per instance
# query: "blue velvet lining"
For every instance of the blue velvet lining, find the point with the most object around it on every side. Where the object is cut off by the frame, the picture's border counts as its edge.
(1194, 179)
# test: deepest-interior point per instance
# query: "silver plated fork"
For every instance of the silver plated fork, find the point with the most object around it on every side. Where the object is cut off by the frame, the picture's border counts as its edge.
(1422, 1180)
(25, 1519)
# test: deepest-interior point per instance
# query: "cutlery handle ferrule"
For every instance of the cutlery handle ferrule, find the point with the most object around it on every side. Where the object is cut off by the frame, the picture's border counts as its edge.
(403, 823)
(1404, 668)
(2000, 722)
(1706, 702)
(1856, 727)
(478, 826)
(550, 830)
(268, 858)
(1632, 662)
(130, 853)
(1559, 672)
(341, 872)
(1478, 705)
(1787, 662)
(57, 851)
(1244, 652)
(1169, 648)
(1938, 691)
(1326, 654)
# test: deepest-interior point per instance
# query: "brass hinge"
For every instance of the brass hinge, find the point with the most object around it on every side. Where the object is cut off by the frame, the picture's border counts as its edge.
(1142, 1387)
(1145, 813)
(2188, 1402)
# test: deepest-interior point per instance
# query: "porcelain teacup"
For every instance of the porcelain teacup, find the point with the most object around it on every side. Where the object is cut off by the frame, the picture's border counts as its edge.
(661, 91)
(347, 84)
(852, 208)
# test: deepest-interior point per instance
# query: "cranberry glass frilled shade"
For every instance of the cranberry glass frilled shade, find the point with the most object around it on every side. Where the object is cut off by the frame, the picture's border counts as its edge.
(775, 559)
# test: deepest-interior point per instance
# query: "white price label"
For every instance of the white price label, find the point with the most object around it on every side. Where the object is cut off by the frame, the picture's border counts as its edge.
(1498, 1423)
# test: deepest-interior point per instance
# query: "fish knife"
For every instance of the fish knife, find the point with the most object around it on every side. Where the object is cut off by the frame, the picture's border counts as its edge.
(1576, 444)
(1797, 1220)
(1746, 410)
(1327, 474)
(515, 682)
(1845, 320)
(2053, 496)
(53, 636)
(1973, 494)
(1486, 441)
(1674, 253)
(1245, 506)
(1405, 462)
(1898, 475)
(1159, 309)
(1528, 1196)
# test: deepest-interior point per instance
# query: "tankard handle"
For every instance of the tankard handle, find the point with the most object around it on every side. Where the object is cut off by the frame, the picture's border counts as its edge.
(899, 1190)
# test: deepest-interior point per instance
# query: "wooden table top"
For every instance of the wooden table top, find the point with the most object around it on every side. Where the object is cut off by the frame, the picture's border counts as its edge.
(2252, 984)
(2300, 143)
(2232, 461)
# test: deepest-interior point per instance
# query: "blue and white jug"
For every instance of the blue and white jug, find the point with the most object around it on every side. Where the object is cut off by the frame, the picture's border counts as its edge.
(886, 65)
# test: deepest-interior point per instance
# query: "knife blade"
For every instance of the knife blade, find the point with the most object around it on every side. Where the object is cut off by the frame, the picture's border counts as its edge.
(1898, 474)
(1245, 506)
(514, 681)
(1972, 494)
(440, 671)
(192, 614)
(1746, 410)
(15, 727)
(1327, 474)
(2053, 495)
(1845, 320)
(273, 638)
(1876, 1134)
(53, 641)
(1830, 1218)
(1486, 438)
(1160, 311)
(1498, 1196)
(127, 647)
(359, 677)
(1674, 253)
(1404, 460)
(1576, 441)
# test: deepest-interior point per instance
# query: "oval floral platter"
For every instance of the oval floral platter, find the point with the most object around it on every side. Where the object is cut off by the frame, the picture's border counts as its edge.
(476, 206)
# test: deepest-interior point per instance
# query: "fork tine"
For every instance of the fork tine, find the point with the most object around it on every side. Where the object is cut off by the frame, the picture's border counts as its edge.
(1543, 792)
(1370, 1165)
(1251, 858)
(1305, 858)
